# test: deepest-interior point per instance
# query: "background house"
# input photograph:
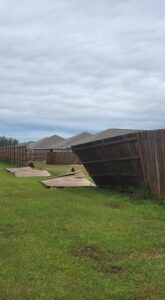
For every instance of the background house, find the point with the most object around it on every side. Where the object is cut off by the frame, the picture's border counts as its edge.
(46, 144)
(65, 145)
(108, 133)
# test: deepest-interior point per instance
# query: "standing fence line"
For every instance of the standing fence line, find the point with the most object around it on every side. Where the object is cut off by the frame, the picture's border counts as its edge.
(15, 154)
(38, 156)
(22, 156)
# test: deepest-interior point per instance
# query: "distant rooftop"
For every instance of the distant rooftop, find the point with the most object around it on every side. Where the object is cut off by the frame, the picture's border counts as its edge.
(59, 143)
(47, 143)
(74, 140)
(108, 133)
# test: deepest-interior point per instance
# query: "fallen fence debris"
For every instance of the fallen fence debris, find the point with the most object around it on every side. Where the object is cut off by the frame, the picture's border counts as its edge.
(74, 179)
(28, 172)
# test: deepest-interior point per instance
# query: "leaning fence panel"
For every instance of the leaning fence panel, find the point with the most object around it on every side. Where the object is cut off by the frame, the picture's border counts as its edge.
(134, 159)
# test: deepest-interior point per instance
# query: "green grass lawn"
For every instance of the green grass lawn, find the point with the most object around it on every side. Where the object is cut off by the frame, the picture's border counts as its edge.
(78, 244)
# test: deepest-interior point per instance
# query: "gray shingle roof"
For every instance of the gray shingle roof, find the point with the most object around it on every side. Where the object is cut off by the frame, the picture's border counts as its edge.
(47, 142)
(74, 140)
(108, 133)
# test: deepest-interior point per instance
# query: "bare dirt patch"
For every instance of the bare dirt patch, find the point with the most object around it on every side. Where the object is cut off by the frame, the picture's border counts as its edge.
(92, 252)
(98, 256)
(148, 292)
(110, 269)
(148, 256)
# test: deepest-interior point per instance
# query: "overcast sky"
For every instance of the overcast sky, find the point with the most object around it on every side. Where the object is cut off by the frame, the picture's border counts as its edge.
(72, 65)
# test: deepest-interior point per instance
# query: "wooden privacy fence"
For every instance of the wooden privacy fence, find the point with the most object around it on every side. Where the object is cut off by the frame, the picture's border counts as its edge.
(62, 158)
(152, 153)
(23, 156)
(134, 159)
(38, 156)
(15, 154)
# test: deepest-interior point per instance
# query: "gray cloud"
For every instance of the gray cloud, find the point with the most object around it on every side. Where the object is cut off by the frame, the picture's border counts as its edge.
(67, 66)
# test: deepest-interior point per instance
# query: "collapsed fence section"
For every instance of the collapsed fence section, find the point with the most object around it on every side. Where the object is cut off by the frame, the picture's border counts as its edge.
(113, 161)
(62, 158)
(15, 154)
(134, 159)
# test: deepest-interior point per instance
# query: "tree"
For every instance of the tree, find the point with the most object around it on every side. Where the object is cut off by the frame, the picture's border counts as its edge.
(4, 141)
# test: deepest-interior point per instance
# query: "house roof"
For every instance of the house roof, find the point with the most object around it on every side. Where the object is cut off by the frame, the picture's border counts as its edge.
(47, 142)
(74, 140)
(108, 133)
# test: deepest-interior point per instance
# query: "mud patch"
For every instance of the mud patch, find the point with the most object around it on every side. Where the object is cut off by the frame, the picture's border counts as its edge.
(91, 252)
